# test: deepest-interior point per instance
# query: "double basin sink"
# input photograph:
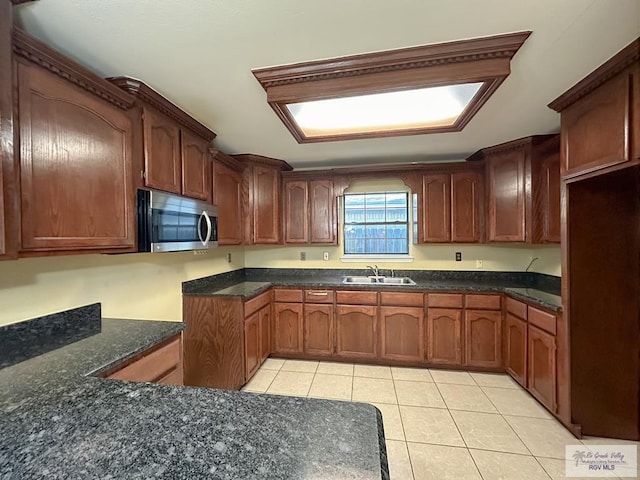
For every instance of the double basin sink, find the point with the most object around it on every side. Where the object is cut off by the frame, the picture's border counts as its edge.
(377, 280)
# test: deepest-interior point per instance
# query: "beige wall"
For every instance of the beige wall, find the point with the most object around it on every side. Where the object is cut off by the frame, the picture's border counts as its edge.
(141, 286)
(426, 257)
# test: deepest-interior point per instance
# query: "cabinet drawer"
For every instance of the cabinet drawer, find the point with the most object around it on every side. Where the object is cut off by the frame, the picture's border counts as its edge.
(545, 321)
(152, 366)
(402, 299)
(356, 298)
(256, 303)
(482, 302)
(173, 378)
(319, 296)
(287, 295)
(517, 308)
(445, 300)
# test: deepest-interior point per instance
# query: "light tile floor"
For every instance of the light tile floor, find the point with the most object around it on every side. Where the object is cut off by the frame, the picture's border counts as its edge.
(439, 424)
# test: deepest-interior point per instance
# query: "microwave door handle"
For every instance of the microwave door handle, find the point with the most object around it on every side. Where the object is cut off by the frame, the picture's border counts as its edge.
(207, 219)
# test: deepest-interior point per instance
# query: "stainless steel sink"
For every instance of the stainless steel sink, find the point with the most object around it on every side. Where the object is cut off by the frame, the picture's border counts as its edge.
(378, 281)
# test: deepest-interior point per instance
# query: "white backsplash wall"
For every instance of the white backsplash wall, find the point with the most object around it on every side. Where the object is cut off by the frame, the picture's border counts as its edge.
(139, 286)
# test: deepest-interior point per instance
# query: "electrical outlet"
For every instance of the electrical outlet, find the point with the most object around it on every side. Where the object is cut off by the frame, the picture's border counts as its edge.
(303, 256)
(479, 263)
(228, 257)
(325, 256)
(458, 256)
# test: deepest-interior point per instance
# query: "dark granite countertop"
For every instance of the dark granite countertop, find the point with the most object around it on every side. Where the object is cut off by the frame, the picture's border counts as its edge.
(534, 288)
(60, 422)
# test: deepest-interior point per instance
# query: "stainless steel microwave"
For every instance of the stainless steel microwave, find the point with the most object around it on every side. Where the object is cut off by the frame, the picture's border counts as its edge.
(171, 223)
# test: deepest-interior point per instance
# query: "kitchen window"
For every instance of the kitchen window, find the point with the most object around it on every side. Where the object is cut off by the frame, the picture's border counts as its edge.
(376, 223)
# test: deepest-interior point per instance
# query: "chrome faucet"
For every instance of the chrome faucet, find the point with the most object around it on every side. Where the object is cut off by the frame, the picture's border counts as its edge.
(374, 269)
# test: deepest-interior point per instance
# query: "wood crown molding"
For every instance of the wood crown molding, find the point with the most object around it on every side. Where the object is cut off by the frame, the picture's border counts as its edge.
(39, 53)
(260, 160)
(498, 46)
(532, 141)
(480, 60)
(625, 58)
(152, 98)
(226, 160)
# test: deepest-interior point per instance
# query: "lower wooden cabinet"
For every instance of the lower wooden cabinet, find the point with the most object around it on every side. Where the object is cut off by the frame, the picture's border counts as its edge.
(515, 348)
(160, 364)
(356, 331)
(444, 336)
(252, 345)
(265, 332)
(541, 375)
(482, 338)
(318, 329)
(288, 328)
(402, 333)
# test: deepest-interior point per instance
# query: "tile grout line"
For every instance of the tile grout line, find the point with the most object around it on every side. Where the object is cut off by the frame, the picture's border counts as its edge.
(406, 445)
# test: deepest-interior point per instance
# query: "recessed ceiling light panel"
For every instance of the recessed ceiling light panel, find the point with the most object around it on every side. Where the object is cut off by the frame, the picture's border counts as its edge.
(427, 89)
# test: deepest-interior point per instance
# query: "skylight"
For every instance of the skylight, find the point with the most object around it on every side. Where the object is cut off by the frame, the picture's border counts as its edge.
(410, 91)
(382, 112)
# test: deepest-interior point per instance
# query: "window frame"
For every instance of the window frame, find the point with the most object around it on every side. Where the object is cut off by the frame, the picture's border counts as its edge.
(400, 256)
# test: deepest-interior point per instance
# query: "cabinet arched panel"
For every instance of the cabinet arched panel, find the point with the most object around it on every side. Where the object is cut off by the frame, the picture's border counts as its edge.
(296, 210)
(196, 167)
(402, 333)
(288, 327)
(75, 164)
(356, 331)
(482, 338)
(162, 152)
(507, 214)
(444, 336)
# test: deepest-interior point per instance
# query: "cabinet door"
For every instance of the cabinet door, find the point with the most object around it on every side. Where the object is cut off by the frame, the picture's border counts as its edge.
(444, 341)
(482, 338)
(595, 130)
(266, 205)
(436, 208)
(542, 366)
(265, 332)
(287, 328)
(162, 156)
(228, 197)
(8, 233)
(76, 167)
(323, 212)
(402, 333)
(466, 195)
(515, 348)
(318, 329)
(507, 197)
(550, 198)
(196, 167)
(356, 331)
(635, 115)
(296, 212)
(251, 345)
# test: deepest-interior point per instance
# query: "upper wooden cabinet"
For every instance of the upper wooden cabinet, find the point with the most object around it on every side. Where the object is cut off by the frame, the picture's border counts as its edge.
(523, 190)
(8, 229)
(600, 117)
(76, 155)
(261, 195)
(175, 145)
(452, 206)
(309, 210)
(228, 198)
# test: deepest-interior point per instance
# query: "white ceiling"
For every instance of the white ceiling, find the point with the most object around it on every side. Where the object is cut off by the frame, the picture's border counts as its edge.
(199, 54)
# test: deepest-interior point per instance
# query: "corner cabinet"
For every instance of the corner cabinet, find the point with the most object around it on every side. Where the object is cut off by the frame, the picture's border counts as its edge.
(261, 195)
(523, 190)
(76, 150)
(228, 198)
(175, 146)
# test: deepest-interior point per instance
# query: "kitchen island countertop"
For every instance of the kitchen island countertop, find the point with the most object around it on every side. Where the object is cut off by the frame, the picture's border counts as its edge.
(59, 421)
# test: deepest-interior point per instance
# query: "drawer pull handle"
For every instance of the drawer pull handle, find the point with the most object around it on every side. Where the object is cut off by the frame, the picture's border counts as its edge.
(318, 294)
